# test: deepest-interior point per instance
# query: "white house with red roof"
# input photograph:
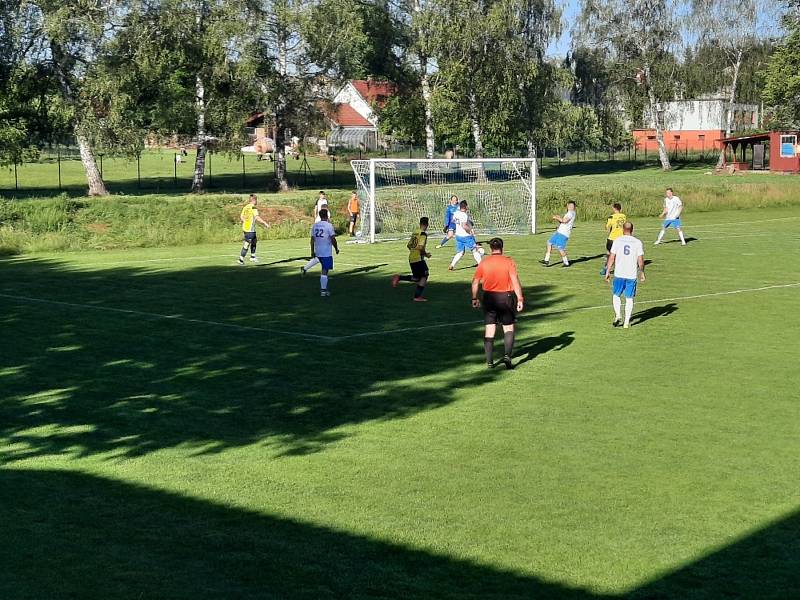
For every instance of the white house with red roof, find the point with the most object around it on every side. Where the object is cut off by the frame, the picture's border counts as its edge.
(354, 123)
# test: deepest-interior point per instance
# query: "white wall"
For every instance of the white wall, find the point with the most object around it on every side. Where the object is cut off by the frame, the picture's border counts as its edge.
(349, 95)
(687, 115)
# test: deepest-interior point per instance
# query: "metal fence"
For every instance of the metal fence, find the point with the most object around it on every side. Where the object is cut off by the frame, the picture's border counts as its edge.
(58, 168)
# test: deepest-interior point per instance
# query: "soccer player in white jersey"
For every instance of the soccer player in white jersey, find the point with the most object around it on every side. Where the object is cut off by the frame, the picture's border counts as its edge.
(627, 259)
(465, 236)
(323, 243)
(322, 202)
(673, 208)
(560, 238)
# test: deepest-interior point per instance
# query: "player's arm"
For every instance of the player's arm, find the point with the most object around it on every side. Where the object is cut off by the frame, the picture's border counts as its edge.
(475, 286)
(641, 267)
(262, 221)
(517, 290)
(335, 244)
(312, 247)
(609, 264)
(423, 241)
(663, 212)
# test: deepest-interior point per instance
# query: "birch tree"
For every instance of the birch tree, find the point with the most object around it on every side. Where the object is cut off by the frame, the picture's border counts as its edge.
(305, 50)
(637, 34)
(732, 26)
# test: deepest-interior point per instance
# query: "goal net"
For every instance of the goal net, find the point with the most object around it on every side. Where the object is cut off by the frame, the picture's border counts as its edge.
(395, 193)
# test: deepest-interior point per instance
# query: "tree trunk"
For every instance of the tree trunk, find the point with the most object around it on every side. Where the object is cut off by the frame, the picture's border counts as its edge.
(475, 125)
(430, 140)
(280, 151)
(731, 99)
(198, 180)
(93, 178)
(280, 113)
(663, 155)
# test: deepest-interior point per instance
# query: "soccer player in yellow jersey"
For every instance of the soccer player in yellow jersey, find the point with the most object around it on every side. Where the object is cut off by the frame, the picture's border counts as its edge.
(417, 254)
(614, 228)
(249, 217)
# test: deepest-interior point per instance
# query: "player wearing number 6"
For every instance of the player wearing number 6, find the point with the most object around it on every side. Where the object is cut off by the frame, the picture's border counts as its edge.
(502, 299)
(627, 261)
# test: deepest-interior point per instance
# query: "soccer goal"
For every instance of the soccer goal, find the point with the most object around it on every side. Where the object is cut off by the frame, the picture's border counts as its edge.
(395, 193)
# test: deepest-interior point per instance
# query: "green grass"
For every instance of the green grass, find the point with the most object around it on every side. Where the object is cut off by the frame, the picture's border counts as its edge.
(169, 428)
(161, 220)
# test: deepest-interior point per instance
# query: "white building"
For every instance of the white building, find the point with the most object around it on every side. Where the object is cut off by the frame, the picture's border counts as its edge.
(354, 123)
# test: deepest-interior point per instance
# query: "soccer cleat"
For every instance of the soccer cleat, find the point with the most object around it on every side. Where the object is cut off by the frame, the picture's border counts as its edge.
(683, 243)
(656, 243)
(626, 326)
(395, 280)
(490, 365)
(254, 259)
(450, 268)
(241, 260)
(565, 265)
(545, 263)
(438, 246)
(507, 362)
(324, 293)
(302, 270)
(420, 299)
(616, 322)
(603, 272)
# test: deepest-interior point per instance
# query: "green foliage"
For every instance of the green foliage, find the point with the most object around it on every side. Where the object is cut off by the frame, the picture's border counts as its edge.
(782, 80)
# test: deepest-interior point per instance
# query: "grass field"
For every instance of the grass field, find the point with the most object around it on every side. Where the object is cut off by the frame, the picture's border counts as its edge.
(175, 426)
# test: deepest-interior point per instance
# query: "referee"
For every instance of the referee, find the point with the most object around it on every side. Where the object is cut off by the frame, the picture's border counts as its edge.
(502, 299)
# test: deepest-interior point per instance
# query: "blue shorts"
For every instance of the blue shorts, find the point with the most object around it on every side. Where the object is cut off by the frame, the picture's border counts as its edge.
(326, 262)
(626, 287)
(559, 240)
(676, 223)
(463, 244)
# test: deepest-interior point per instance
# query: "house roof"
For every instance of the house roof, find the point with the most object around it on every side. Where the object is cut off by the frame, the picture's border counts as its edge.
(374, 92)
(755, 137)
(345, 115)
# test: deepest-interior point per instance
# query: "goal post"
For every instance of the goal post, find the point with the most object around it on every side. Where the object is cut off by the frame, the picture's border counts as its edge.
(395, 192)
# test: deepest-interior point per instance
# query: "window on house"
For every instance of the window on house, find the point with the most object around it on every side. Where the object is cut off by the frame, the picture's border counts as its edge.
(651, 137)
(788, 144)
(701, 137)
(677, 137)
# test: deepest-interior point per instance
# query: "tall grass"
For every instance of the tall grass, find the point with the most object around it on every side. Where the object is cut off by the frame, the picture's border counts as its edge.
(64, 223)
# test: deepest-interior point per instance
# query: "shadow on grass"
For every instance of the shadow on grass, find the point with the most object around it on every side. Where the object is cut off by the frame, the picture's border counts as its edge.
(654, 312)
(127, 361)
(582, 259)
(75, 535)
(542, 346)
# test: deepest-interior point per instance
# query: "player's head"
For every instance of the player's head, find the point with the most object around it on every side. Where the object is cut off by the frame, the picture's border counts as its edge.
(423, 223)
(323, 214)
(669, 192)
(353, 194)
(617, 207)
(627, 228)
(321, 194)
(571, 205)
(496, 244)
(252, 199)
(453, 199)
(463, 205)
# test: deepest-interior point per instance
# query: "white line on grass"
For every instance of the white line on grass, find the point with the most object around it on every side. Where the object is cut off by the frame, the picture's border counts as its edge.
(149, 315)
(568, 310)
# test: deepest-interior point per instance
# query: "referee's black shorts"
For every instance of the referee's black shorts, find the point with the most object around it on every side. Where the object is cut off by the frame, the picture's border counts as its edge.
(499, 308)
(419, 269)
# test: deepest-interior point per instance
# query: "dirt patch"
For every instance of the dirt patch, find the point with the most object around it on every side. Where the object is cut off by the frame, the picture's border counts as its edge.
(100, 228)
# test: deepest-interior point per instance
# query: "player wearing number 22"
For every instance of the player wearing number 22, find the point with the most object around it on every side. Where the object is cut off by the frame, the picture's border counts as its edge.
(502, 299)
(627, 261)
(323, 243)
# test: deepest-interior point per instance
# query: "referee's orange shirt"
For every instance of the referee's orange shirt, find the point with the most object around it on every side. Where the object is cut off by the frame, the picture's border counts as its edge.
(496, 271)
